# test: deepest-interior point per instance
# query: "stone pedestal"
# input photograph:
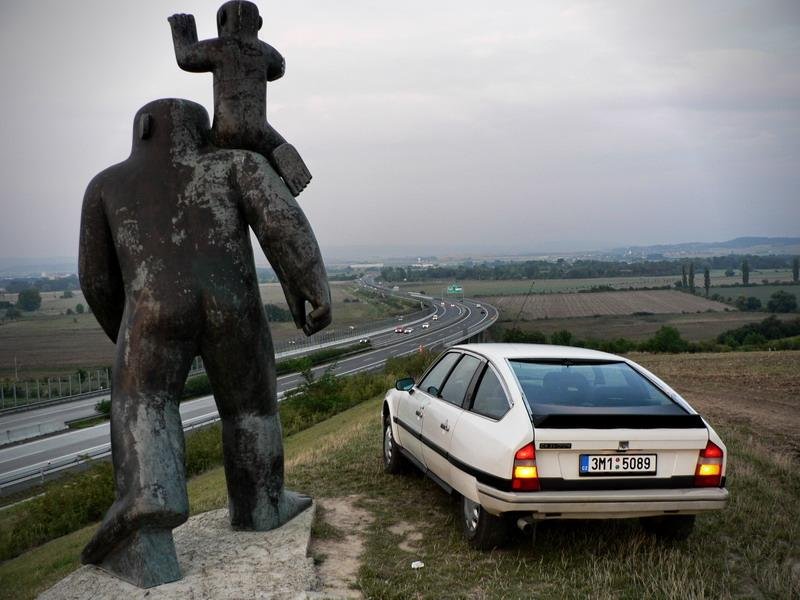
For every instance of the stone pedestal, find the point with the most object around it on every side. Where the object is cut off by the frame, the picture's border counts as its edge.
(215, 562)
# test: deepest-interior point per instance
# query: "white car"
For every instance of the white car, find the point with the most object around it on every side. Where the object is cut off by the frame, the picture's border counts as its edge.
(435, 318)
(525, 432)
(426, 325)
(408, 330)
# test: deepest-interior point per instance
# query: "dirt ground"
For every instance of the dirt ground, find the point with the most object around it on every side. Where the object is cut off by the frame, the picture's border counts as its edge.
(559, 306)
(757, 390)
(695, 327)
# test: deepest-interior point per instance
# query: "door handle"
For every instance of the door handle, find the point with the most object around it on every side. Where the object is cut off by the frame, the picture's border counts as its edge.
(418, 413)
(444, 426)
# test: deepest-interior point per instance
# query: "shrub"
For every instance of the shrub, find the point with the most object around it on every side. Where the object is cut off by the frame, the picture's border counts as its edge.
(515, 335)
(782, 302)
(29, 299)
(561, 338)
(666, 339)
(79, 308)
(104, 407)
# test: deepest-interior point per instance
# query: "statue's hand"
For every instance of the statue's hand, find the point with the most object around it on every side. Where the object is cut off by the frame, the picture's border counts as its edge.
(317, 319)
(183, 26)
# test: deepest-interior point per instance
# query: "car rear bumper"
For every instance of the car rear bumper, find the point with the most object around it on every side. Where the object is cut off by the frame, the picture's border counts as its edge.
(603, 504)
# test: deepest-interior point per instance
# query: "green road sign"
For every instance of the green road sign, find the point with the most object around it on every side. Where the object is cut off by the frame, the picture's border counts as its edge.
(455, 289)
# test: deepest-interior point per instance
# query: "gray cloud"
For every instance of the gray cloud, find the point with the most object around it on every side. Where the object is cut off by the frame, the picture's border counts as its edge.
(440, 123)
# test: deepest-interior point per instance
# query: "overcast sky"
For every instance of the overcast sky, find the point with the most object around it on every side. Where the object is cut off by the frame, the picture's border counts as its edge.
(521, 125)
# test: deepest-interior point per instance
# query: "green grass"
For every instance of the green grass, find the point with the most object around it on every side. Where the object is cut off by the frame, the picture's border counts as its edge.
(762, 292)
(748, 550)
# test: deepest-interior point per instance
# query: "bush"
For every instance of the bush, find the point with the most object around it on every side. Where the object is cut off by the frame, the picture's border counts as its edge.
(515, 335)
(12, 313)
(782, 302)
(104, 407)
(29, 299)
(561, 338)
(770, 328)
(666, 339)
(79, 308)
(277, 314)
(67, 294)
(749, 304)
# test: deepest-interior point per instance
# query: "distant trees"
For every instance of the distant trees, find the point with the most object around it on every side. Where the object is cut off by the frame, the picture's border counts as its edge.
(745, 272)
(796, 269)
(67, 294)
(691, 277)
(782, 302)
(29, 299)
(276, 313)
(707, 280)
(684, 283)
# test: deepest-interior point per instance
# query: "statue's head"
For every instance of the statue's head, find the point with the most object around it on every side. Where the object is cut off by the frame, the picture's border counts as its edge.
(171, 123)
(238, 18)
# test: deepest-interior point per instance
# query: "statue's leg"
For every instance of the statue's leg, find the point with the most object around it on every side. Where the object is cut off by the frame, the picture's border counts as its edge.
(134, 540)
(240, 362)
(284, 158)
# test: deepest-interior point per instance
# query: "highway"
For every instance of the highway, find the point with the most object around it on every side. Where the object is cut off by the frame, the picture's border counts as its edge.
(26, 463)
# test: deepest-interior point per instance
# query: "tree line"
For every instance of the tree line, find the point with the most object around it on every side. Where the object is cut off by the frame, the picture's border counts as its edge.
(588, 269)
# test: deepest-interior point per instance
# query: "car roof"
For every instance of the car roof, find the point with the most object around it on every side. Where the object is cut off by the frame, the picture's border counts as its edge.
(499, 352)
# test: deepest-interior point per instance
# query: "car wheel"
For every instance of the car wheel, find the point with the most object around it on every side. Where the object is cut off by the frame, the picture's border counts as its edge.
(393, 460)
(483, 530)
(670, 527)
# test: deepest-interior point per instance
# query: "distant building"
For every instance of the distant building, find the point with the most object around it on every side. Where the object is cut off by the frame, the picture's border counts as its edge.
(365, 266)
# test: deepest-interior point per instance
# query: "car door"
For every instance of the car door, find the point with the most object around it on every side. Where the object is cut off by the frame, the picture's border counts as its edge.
(442, 414)
(412, 404)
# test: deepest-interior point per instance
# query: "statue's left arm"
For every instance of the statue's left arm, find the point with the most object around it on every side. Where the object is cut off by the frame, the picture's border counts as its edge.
(192, 56)
(285, 235)
(98, 269)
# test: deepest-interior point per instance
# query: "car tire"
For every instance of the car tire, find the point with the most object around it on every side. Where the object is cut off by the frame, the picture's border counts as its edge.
(673, 528)
(393, 460)
(482, 530)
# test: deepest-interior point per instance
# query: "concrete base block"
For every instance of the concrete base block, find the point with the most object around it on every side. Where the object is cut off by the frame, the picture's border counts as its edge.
(215, 562)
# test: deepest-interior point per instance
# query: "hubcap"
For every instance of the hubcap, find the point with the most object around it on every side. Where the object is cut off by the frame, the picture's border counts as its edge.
(472, 514)
(387, 444)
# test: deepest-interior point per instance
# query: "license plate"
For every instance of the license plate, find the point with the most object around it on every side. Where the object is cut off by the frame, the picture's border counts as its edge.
(615, 464)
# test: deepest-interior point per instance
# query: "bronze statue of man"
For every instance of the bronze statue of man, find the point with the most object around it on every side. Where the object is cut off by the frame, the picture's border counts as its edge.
(167, 267)
(242, 65)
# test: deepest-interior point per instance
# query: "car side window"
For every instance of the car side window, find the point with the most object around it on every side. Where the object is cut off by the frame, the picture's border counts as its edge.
(490, 398)
(432, 384)
(456, 385)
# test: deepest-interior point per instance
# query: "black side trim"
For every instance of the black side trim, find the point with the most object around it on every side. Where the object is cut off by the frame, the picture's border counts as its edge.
(482, 476)
(588, 421)
(556, 484)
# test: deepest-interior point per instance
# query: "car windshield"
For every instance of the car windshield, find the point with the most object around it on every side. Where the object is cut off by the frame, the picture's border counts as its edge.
(573, 388)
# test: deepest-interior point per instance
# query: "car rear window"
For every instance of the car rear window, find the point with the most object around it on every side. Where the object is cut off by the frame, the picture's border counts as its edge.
(567, 387)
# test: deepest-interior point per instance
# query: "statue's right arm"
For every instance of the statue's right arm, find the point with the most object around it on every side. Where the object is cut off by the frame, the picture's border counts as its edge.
(98, 269)
(192, 56)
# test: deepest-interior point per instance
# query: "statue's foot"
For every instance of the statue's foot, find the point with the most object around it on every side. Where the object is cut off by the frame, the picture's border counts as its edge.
(146, 558)
(291, 168)
(269, 514)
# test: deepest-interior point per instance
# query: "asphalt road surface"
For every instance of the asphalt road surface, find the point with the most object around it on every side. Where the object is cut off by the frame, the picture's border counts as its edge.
(457, 321)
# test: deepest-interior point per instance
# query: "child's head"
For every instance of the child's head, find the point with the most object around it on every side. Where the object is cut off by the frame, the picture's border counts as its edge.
(238, 17)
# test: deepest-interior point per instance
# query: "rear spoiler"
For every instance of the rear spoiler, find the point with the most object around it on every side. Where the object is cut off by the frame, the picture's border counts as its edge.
(594, 421)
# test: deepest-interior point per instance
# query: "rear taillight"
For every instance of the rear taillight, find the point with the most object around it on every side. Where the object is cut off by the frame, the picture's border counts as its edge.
(709, 467)
(525, 477)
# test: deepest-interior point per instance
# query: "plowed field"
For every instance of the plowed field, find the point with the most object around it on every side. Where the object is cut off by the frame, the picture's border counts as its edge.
(560, 306)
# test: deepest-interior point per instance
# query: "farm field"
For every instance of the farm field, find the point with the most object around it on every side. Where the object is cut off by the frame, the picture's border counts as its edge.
(762, 292)
(560, 306)
(508, 287)
(695, 327)
(48, 343)
(382, 523)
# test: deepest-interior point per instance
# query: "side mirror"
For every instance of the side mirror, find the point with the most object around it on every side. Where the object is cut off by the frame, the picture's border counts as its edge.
(405, 384)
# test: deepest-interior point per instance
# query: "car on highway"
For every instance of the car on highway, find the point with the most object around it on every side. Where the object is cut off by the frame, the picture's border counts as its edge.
(426, 325)
(364, 340)
(526, 432)
(435, 318)
(399, 329)
(452, 306)
(408, 330)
